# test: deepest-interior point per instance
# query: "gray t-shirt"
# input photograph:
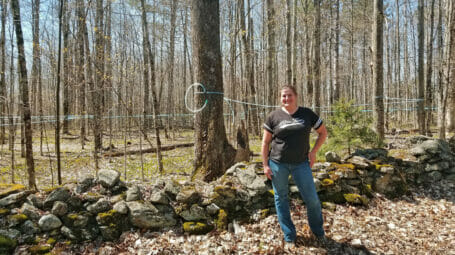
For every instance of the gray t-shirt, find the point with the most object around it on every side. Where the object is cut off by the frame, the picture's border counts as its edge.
(291, 134)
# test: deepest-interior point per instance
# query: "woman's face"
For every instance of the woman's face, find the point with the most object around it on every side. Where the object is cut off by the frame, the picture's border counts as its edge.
(287, 97)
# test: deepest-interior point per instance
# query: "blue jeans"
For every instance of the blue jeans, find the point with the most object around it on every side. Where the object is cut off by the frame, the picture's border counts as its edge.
(303, 178)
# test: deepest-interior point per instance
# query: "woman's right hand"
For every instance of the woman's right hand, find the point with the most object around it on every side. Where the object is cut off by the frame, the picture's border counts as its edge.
(268, 172)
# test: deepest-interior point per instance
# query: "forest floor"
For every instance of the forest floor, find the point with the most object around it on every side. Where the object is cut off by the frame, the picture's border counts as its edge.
(422, 222)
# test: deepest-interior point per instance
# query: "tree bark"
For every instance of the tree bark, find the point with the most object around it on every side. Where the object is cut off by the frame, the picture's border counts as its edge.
(271, 52)
(421, 69)
(288, 43)
(25, 99)
(97, 93)
(336, 95)
(213, 153)
(429, 88)
(3, 72)
(66, 68)
(80, 68)
(317, 58)
(378, 79)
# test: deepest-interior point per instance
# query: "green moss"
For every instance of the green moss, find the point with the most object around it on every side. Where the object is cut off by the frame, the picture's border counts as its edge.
(3, 211)
(329, 206)
(18, 218)
(107, 218)
(40, 249)
(379, 166)
(197, 228)
(7, 243)
(225, 191)
(327, 182)
(72, 216)
(7, 189)
(222, 220)
(264, 213)
(68, 242)
(341, 166)
(272, 192)
(356, 199)
(51, 241)
(49, 190)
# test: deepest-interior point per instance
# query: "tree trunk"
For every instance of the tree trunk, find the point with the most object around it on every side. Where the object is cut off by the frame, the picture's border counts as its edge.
(80, 68)
(25, 99)
(421, 96)
(336, 95)
(170, 90)
(441, 84)
(147, 49)
(3, 71)
(288, 43)
(97, 93)
(271, 85)
(429, 89)
(66, 68)
(317, 58)
(378, 79)
(213, 153)
(295, 39)
(450, 72)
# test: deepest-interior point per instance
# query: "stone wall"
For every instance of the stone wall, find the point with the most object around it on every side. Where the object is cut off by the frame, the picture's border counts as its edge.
(105, 207)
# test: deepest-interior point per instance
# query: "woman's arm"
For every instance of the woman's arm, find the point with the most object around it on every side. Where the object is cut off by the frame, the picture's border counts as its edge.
(266, 139)
(322, 136)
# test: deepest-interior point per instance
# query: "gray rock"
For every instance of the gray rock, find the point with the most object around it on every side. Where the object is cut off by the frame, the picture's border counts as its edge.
(121, 207)
(433, 147)
(235, 168)
(101, 205)
(59, 194)
(159, 197)
(440, 166)
(418, 139)
(251, 180)
(29, 228)
(450, 177)
(133, 194)
(195, 213)
(450, 170)
(360, 162)
(188, 195)
(145, 215)
(108, 178)
(49, 222)
(30, 211)
(15, 198)
(212, 209)
(110, 233)
(36, 201)
(171, 188)
(383, 184)
(434, 176)
(68, 233)
(371, 154)
(85, 184)
(322, 175)
(10, 233)
(332, 156)
(59, 208)
(317, 184)
(387, 170)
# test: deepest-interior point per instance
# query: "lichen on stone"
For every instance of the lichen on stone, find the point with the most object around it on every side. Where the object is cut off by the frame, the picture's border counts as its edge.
(7, 189)
(40, 249)
(197, 228)
(222, 220)
(356, 199)
(327, 182)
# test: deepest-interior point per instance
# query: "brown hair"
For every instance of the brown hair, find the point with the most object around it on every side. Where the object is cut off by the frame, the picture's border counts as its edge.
(291, 87)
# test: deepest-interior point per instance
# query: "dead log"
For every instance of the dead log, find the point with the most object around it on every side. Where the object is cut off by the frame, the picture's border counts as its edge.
(149, 150)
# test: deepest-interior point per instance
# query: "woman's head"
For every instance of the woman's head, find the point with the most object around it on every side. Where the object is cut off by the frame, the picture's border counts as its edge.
(288, 96)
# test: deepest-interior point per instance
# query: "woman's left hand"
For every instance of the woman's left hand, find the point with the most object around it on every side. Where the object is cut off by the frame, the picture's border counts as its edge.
(312, 158)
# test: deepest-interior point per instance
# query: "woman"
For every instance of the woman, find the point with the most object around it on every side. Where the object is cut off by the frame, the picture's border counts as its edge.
(288, 130)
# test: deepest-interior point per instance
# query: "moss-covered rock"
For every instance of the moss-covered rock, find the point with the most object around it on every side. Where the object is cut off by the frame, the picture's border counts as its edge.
(109, 217)
(111, 232)
(3, 212)
(17, 219)
(327, 182)
(7, 189)
(197, 228)
(40, 249)
(221, 221)
(7, 245)
(356, 199)
(329, 206)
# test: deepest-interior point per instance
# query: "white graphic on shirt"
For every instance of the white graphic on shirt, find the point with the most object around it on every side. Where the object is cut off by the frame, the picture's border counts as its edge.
(289, 123)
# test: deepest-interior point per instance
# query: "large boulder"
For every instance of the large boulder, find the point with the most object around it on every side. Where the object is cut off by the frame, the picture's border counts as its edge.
(108, 178)
(49, 222)
(15, 198)
(194, 213)
(145, 215)
(58, 194)
(133, 193)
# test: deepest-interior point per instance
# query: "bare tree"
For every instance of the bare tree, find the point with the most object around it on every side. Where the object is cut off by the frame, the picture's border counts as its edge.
(81, 27)
(317, 57)
(213, 153)
(378, 79)
(2, 71)
(421, 69)
(429, 89)
(288, 43)
(271, 51)
(66, 66)
(25, 99)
